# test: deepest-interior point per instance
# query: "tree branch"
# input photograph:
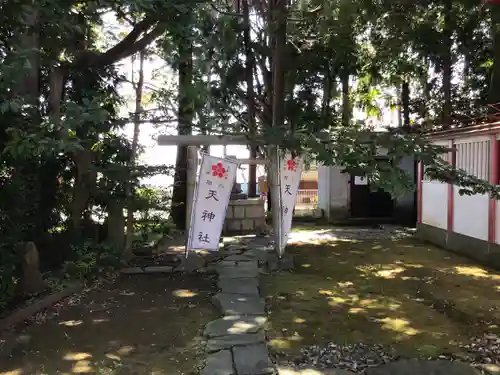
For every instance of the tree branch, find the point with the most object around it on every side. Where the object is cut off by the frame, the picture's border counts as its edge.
(130, 45)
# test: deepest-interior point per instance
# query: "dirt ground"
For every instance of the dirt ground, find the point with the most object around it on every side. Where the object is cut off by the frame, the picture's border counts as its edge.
(404, 294)
(144, 324)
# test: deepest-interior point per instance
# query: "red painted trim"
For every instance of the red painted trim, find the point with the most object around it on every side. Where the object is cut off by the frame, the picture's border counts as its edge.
(469, 131)
(420, 173)
(453, 158)
(492, 212)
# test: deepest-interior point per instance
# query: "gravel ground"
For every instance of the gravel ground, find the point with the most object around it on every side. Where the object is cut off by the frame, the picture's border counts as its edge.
(482, 353)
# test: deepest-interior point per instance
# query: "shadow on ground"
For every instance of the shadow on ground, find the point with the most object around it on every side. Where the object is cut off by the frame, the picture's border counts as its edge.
(397, 292)
(138, 325)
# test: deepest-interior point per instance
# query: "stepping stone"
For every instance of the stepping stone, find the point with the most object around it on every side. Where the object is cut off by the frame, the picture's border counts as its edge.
(238, 258)
(220, 363)
(313, 371)
(235, 304)
(132, 270)
(239, 286)
(231, 325)
(242, 270)
(193, 262)
(158, 269)
(252, 360)
(422, 367)
(260, 255)
(245, 263)
(226, 342)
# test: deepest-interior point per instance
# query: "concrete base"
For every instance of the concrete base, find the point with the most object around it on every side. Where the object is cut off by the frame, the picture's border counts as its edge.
(273, 263)
(484, 252)
(245, 216)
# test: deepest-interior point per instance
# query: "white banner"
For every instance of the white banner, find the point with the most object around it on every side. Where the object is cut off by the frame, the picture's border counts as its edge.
(211, 197)
(291, 171)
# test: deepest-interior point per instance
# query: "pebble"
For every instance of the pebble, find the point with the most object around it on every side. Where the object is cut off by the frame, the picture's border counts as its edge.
(355, 358)
(482, 353)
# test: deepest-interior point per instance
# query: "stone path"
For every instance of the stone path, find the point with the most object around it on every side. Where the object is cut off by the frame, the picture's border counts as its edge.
(236, 343)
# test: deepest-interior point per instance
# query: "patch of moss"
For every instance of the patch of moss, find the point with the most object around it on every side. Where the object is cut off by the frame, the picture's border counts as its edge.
(410, 296)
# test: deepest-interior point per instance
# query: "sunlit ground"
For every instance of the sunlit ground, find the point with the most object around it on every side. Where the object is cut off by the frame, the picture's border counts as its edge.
(139, 325)
(404, 294)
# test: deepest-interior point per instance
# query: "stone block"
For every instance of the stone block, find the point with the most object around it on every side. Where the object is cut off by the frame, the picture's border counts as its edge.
(234, 325)
(158, 269)
(247, 224)
(239, 212)
(226, 342)
(229, 212)
(239, 286)
(220, 363)
(252, 360)
(234, 225)
(260, 223)
(238, 258)
(254, 212)
(193, 262)
(235, 304)
(230, 270)
(132, 270)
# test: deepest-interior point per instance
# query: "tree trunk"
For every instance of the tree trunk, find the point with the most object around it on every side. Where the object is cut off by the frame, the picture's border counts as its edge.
(249, 68)
(185, 116)
(346, 103)
(138, 88)
(115, 223)
(447, 64)
(399, 106)
(405, 103)
(24, 176)
(85, 181)
(426, 87)
(327, 97)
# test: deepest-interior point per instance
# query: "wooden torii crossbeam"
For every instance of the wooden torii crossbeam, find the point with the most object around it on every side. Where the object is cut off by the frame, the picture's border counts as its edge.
(193, 141)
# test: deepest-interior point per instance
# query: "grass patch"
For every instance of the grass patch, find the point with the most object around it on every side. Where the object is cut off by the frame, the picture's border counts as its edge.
(403, 294)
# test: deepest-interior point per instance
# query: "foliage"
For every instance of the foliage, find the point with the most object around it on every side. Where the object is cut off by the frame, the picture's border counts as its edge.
(153, 215)
(314, 81)
(91, 260)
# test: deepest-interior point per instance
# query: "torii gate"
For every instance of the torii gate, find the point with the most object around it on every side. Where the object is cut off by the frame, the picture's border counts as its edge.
(194, 141)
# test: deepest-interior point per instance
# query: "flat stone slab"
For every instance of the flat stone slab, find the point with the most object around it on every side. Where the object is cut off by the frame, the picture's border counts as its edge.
(258, 254)
(239, 286)
(422, 367)
(193, 262)
(158, 269)
(232, 325)
(313, 371)
(220, 363)
(132, 270)
(245, 263)
(252, 360)
(230, 270)
(235, 304)
(231, 341)
(238, 258)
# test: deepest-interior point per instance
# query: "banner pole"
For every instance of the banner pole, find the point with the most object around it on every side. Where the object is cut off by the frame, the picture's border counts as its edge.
(275, 189)
(192, 169)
